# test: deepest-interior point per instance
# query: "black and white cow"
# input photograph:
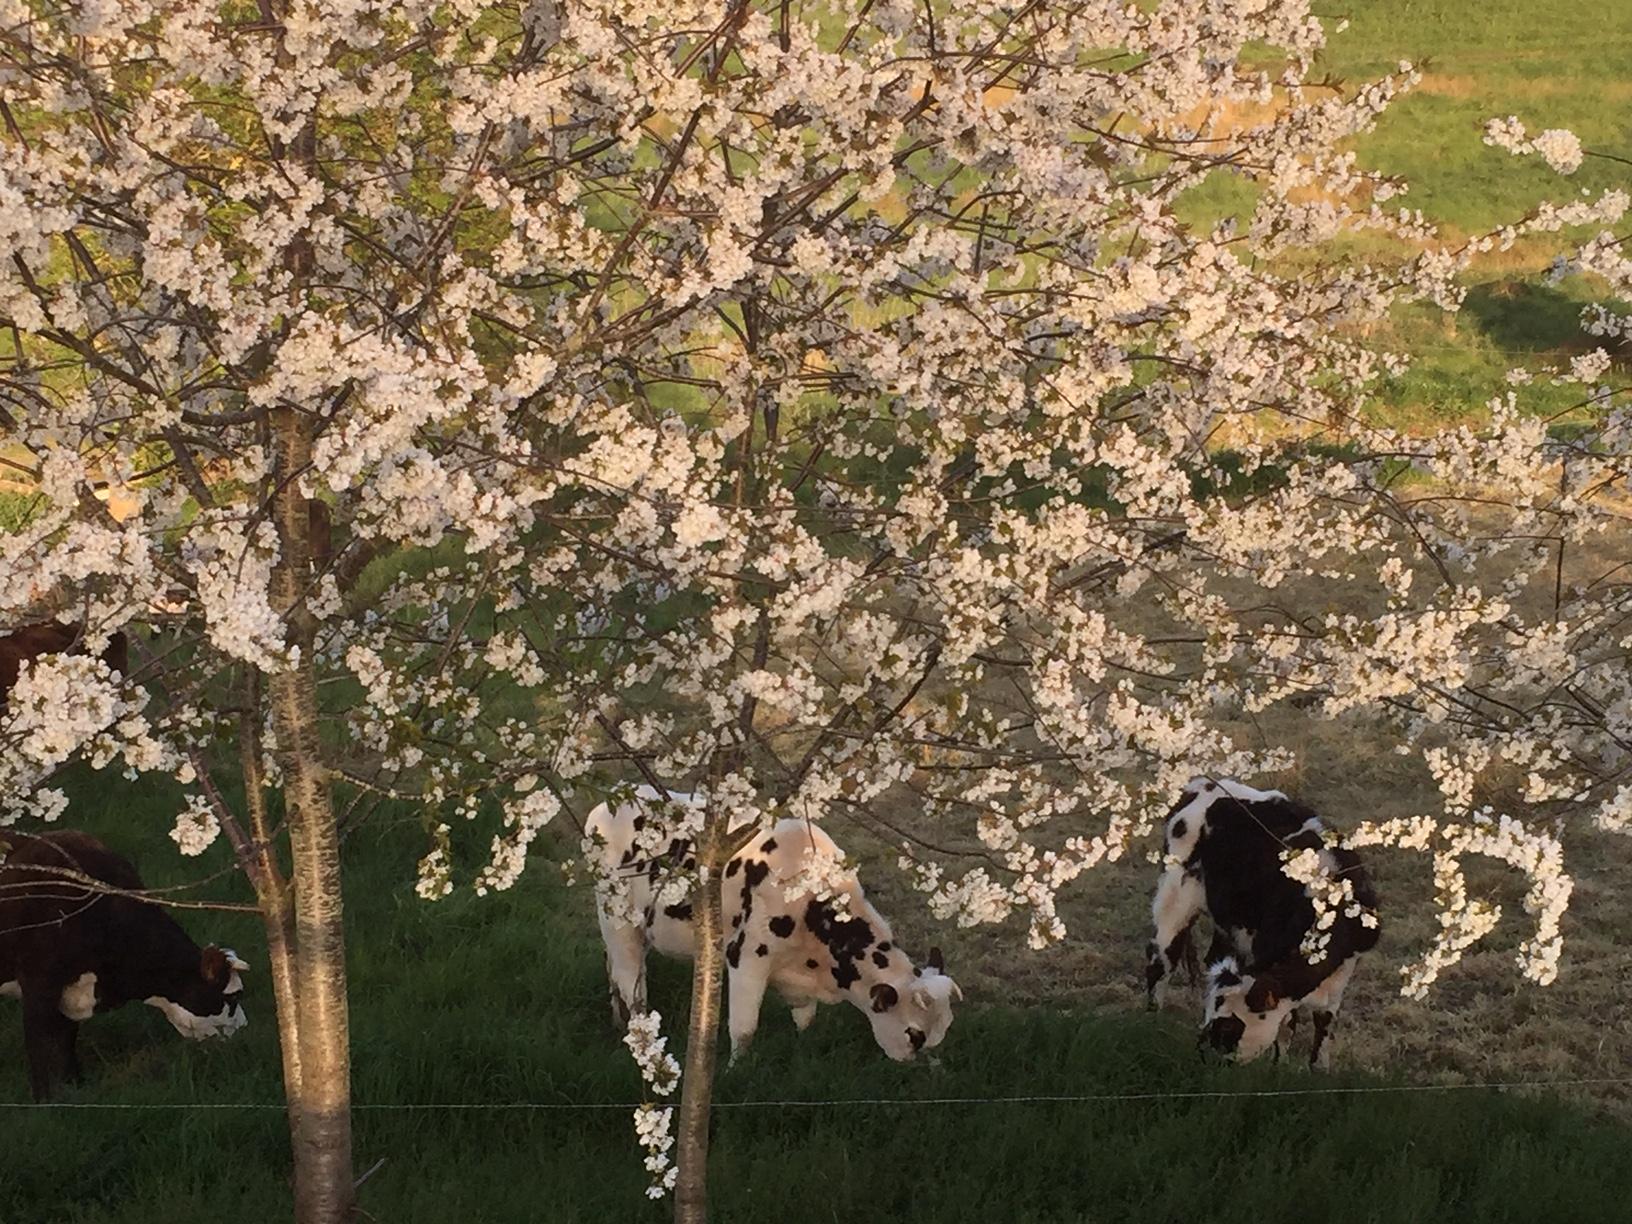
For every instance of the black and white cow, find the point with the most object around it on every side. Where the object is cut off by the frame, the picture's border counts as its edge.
(1225, 845)
(68, 951)
(812, 951)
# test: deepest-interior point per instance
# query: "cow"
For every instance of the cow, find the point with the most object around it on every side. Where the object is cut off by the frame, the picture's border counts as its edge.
(69, 950)
(31, 641)
(812, 949)
(1226, 843)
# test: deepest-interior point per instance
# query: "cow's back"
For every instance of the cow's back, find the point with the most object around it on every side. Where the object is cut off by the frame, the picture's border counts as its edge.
(1240, 859)
(67, 850)
(1249, 891)
(31, 641)
(40, 906)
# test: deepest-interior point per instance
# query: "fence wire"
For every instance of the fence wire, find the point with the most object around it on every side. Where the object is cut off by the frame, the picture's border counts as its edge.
(851, 1102)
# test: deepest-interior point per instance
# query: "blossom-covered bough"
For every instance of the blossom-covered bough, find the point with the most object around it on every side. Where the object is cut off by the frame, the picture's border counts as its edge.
(850, 410)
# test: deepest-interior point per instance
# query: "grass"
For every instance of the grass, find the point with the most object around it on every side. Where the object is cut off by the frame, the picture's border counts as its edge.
(502, 1000)
(17, 507)
(1552, 64)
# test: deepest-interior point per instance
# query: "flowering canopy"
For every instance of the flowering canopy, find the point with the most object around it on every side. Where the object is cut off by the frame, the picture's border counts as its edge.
(832, 409)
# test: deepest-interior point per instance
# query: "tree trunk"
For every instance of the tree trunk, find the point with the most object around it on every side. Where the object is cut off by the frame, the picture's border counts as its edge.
(272, 893)
(702, 1040)
(320, 1112)
(321, 1117)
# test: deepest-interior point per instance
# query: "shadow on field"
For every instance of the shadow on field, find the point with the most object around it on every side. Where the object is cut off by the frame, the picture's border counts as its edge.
(502, 1000)
(1521, 317)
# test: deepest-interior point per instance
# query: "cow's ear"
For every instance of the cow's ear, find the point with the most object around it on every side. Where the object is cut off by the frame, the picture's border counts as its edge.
(1261, 996)
(935, 962)
(884, 997)
(213, 966)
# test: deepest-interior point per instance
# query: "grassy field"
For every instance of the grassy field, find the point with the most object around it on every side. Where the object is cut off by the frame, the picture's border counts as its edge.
(1553, 65)
(502, 1000)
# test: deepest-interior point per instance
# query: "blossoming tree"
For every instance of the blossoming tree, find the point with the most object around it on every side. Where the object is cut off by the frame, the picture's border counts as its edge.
(837, 410)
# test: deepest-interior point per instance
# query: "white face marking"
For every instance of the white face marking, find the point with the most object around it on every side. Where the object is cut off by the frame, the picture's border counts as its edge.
(924, 1008)
(79, 997)
(1259, 1030)
(196, 1028)
(11, 990)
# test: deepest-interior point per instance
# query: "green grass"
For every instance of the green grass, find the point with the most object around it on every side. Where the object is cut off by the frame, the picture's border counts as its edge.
(1552, 63)
(16, 509)
(502, 1000)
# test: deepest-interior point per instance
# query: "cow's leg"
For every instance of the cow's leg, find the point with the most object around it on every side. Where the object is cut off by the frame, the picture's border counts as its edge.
(625, 969)
(803, 1014)
(1284, 1035)
(1320, 1057)
(48, 1036)
(75, 1071)
(745, 992)
(1179, 899)
(1323, 1008)
(70, 1052)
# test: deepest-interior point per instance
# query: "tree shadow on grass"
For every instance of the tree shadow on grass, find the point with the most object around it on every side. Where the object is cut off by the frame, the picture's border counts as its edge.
(1523, 317)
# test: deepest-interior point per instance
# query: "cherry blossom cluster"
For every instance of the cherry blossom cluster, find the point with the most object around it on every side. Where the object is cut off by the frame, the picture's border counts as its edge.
(63, 705)
(1330, 892)
(197, 826)
(661, 1074)
(1559, 148)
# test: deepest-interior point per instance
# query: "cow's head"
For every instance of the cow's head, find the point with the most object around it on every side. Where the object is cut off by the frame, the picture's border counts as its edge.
(1244, 1013)
(915, 1013)
(204, 998)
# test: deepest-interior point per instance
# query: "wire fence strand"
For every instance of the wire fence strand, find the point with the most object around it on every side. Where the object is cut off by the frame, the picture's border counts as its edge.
(1221, 1094)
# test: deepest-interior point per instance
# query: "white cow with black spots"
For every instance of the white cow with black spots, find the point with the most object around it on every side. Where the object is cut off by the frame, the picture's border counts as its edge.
(778, 933)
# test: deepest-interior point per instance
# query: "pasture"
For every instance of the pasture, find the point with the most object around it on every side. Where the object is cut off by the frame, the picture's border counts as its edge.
(501, 1000)
(498, 1003)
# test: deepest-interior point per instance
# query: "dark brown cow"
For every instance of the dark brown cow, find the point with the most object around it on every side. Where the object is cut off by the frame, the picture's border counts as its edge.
(68, 950)
(31, 641)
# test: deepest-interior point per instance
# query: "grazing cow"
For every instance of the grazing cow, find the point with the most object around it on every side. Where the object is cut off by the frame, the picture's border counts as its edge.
(811, 950)
(32, 641)
(1225, 846)
(68, 950)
